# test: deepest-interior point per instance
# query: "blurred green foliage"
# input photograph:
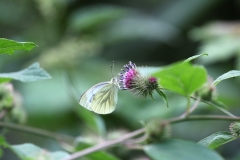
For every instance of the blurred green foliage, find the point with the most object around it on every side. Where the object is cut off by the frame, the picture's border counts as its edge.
(77, 42)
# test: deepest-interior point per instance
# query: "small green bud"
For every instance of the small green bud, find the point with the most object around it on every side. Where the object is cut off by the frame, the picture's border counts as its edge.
(10, 102)
(18, 115)
(157, 130)
(208, 91)
(6, 96)
(235, 129)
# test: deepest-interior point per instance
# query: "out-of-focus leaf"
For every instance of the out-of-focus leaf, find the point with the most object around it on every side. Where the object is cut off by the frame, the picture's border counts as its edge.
(196, 56)
(29, 151)
(217, 139)
(100, 155)
(175, 149)
(93, 16)
(230, 74)
(182, 78)
(9, 46)
(92, 120)
(139, 27)
(219, 49)
(219, 41)
(32, 73)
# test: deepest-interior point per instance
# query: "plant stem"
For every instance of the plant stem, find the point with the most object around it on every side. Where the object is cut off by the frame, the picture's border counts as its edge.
(188, 106)
(106, 144)
(217, 107)
(191, 109)
(41, 132)
(201, 117)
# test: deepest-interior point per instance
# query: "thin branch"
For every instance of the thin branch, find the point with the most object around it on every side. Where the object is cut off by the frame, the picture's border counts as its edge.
(217, 107)
(122, 139)
(137, 140)
(41, 132)
(188, 106)
(190, 110)
(201, 117)
(106, 144)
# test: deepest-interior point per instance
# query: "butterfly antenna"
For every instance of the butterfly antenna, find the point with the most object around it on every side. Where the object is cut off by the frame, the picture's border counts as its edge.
(112, 68)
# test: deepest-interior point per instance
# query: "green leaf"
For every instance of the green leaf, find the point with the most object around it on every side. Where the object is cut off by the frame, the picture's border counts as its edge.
(196, 56)
(219, 49)
(3, 143)
(9, 46)
(163, 95)
(32, 73)
(217, 139)
(29, 151)
(3, 80)
(175, 149)
(230, 74)
(183, 78)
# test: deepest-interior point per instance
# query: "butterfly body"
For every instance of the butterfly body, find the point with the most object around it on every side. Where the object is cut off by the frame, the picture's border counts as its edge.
(101, 98)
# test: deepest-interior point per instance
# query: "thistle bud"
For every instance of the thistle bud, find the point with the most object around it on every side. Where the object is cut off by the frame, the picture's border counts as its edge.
(10, 103)
(6, 96)
(157, 130)
(208, 91)
(235, 129)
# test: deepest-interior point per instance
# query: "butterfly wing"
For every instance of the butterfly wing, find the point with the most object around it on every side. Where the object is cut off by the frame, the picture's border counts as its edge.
(101, 98)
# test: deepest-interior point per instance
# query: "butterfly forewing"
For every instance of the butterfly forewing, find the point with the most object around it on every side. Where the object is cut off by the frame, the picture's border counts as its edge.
(87, 97)
(105, 100)
(101, 98)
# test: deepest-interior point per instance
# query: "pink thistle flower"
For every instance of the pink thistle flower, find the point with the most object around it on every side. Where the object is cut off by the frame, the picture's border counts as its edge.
(127, 76)
(131, 79)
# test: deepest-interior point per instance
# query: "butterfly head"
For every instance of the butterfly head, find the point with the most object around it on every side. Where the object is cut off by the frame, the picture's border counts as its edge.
(114, 81)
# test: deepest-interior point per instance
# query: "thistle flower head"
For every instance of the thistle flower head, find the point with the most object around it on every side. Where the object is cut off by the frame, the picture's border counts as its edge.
(131, 79)
(127, 76)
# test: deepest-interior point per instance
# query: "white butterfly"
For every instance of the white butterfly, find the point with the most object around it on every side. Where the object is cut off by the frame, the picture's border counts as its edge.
(102, 97)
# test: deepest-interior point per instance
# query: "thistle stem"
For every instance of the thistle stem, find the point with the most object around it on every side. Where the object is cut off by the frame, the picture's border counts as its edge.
(201, 117)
